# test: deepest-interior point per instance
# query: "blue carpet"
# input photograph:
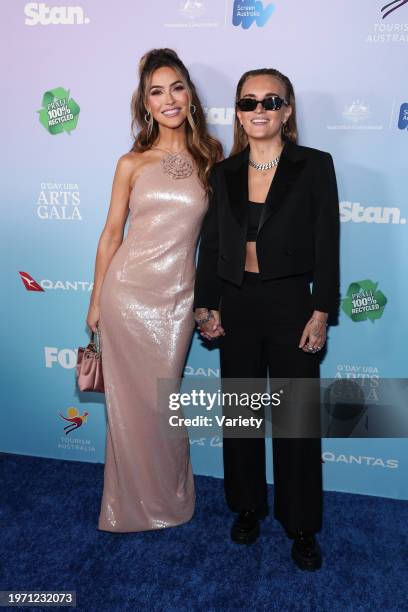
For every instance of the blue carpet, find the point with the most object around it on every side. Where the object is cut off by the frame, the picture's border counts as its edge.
(49, 541)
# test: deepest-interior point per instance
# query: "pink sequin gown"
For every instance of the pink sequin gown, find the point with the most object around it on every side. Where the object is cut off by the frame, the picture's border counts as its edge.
(146, 323)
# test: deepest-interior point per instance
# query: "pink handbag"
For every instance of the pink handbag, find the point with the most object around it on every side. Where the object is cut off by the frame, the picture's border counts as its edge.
(89, 366)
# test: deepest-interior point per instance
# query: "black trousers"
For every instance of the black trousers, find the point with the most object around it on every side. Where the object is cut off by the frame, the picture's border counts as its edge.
(263, 321)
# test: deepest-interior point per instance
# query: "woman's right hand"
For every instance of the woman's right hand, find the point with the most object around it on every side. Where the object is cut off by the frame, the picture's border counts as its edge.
(212, 329)
(92, 319)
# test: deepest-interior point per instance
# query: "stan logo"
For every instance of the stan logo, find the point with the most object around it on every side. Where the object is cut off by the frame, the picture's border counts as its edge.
(403, 117)
(29, 283)
(38, 13)
(356, 213)
(364, 301)
(192, 8)
(356, 112)
(391, 7)
(75, 419)
(246, 12)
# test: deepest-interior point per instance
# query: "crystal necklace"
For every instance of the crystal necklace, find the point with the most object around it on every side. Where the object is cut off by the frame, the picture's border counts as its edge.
(176, 165)
(266, 165)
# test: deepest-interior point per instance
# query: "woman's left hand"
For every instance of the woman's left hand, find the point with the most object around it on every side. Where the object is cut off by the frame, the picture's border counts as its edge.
(314, 335)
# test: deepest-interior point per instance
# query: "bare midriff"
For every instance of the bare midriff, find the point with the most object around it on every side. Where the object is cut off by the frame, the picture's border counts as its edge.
(251, 260)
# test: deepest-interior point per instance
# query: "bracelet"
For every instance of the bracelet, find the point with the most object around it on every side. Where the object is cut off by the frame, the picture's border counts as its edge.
(320, 320)
(205, 319)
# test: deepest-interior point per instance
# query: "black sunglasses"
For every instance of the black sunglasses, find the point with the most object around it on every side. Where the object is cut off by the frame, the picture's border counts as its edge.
(272, 103)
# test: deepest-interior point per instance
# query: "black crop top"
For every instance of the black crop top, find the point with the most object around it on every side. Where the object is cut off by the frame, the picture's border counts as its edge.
(254, 215)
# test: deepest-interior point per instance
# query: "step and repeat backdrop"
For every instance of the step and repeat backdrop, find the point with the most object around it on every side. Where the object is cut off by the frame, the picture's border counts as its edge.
(69, 73)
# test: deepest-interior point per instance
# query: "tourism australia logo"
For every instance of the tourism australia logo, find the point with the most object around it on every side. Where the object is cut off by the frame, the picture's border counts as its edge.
(389, 8)
(247, 12)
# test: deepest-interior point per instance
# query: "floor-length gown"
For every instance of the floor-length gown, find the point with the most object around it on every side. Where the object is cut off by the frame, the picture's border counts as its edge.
(146, 324)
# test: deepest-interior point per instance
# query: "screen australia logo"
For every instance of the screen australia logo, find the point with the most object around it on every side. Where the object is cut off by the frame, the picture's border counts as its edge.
(247, 12)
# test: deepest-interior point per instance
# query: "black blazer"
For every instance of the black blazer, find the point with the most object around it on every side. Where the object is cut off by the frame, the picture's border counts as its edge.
(298, 230)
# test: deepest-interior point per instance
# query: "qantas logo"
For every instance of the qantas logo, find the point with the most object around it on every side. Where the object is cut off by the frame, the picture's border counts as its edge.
(29, 283)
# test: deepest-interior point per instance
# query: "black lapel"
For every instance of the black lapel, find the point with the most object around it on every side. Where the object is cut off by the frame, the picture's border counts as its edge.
(236, 178)
(289, 167)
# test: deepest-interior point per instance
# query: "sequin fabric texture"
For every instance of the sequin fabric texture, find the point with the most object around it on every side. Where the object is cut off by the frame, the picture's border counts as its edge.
(146, 323)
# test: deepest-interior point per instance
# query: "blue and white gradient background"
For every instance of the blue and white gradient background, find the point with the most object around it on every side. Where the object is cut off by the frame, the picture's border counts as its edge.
(348, 66)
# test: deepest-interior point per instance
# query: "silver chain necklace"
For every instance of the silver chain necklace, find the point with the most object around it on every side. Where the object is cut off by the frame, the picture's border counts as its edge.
(266, 165)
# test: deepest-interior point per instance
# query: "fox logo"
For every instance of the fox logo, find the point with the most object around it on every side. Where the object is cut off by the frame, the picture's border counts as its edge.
(29, 283)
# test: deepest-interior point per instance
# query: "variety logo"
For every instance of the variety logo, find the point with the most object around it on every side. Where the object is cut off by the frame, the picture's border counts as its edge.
(59, 201)
(403, 117)
(247, 12)
(31, 285)
(60, 113)
(364, 301)
(361, 460)
(74, 419)
(356, 213)
(38, 13)
(392, 6)
(220, 115)
(66, 358)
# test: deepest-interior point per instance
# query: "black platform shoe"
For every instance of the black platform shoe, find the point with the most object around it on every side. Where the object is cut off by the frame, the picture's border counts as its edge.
(245, 528)
(306, 551)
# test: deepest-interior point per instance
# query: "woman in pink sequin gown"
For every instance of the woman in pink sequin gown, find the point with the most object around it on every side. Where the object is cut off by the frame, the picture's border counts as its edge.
(142, 301)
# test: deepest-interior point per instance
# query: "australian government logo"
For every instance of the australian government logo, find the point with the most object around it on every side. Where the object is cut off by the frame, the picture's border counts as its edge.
(357, 115)
(392, 24)
(59, 112)
(196, 14)
(59, 202)
(364, 301)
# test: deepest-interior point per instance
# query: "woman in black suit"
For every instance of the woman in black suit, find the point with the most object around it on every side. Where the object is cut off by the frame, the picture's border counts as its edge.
(272, 227)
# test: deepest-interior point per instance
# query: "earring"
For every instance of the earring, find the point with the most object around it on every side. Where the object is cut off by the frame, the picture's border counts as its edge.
(192, 109)
(147, 117)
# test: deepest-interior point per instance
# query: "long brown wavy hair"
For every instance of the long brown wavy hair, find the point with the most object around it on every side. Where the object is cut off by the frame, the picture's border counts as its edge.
(204, 149)
(289, 130)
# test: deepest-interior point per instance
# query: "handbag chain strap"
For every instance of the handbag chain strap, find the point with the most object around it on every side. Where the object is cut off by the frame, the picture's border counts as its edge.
(95, 346)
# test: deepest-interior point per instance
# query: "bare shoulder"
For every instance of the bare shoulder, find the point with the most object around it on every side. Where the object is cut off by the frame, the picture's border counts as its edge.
(131, 164)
